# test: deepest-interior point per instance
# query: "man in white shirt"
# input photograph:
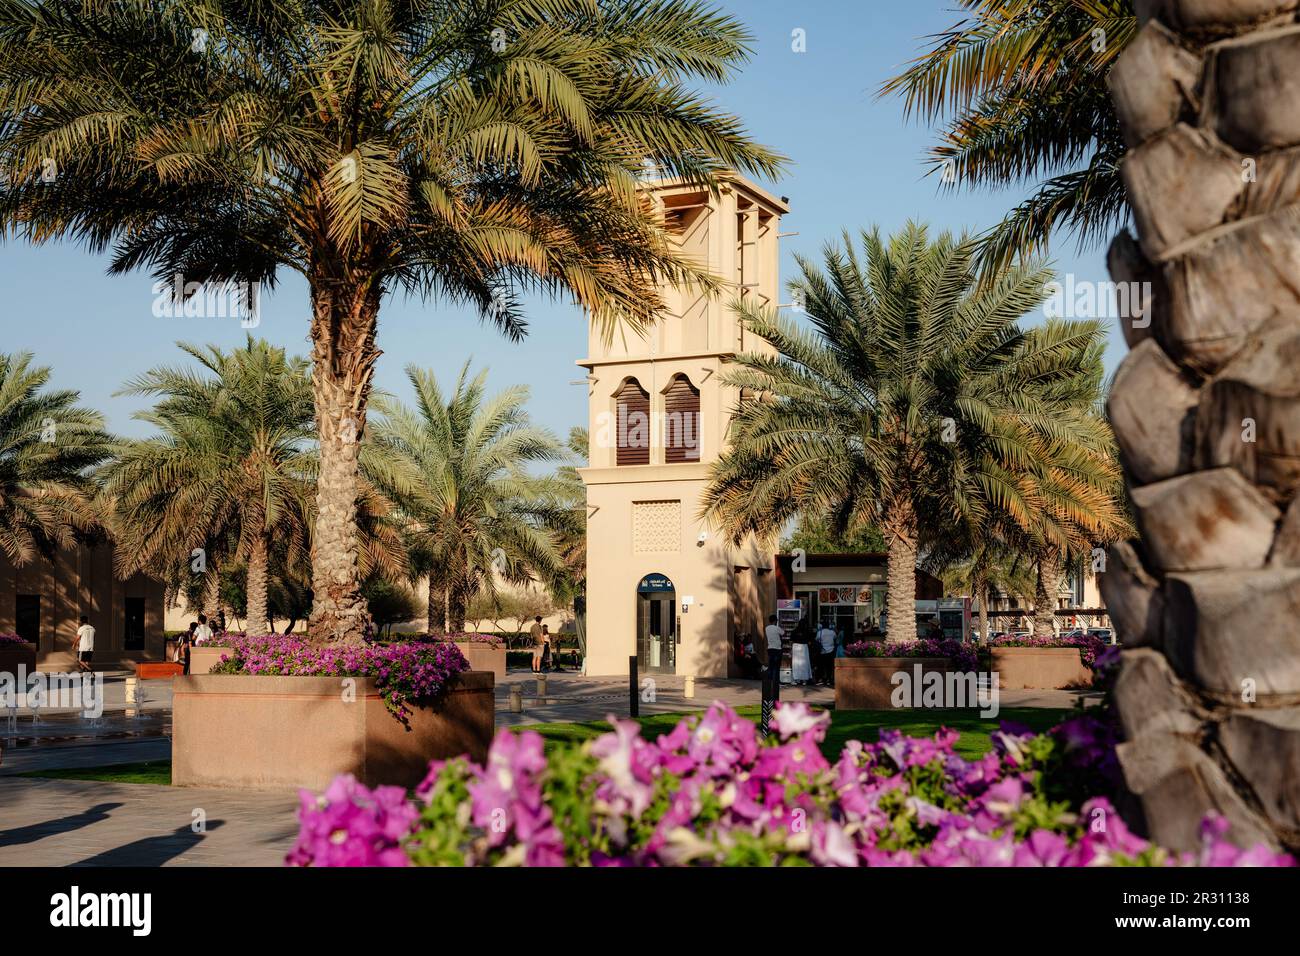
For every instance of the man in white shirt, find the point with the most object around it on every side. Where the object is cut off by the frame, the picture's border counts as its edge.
(85, 645)
(775, 647)
(826, 638)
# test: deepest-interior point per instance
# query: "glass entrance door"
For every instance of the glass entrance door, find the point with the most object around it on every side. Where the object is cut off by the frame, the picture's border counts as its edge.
(656, 622)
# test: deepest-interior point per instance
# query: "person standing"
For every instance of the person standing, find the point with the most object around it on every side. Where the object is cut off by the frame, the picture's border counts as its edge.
(202, 634)
(551, 655)
(184, 643)
(539, 645)
(775, 647)
(826, 637)
(85, 645)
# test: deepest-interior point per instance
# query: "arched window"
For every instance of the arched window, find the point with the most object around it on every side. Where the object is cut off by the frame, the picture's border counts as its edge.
(633, 424)
(681, 421)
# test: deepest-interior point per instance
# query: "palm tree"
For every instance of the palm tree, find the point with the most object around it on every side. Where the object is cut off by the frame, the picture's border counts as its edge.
(567, 516)
(915, 405)
(988, 565)
(454, 148)
(230, 464)
(48, 444)
(1204, 411)
(1025, 84)
(456, 468)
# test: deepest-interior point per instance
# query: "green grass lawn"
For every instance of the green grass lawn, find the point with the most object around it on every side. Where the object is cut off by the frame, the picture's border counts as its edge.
(149, 771)
(864, 725)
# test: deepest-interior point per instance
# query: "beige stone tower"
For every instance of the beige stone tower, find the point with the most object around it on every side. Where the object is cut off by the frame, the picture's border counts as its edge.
(661, 584)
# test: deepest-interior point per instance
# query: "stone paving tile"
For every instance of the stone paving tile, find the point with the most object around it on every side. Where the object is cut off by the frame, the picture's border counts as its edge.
(72, 822)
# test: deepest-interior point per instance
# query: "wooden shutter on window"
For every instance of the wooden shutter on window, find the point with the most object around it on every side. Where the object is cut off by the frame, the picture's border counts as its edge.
(633, 424)
(681, 422)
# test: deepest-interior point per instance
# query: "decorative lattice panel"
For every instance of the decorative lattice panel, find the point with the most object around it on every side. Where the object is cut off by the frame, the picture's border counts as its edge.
(656, 526)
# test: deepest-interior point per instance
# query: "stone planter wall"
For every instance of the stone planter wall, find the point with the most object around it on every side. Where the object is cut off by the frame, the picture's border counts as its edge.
(481, 657)
(11, 655)
(255, 732)
(203, 659)
(865, 683)
(1039, 667)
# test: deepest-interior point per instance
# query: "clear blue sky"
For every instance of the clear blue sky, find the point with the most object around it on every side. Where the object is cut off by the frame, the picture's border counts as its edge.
(854, 163)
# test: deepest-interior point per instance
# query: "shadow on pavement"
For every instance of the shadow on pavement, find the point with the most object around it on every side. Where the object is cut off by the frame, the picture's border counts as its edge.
(151, 851)
(39, 831)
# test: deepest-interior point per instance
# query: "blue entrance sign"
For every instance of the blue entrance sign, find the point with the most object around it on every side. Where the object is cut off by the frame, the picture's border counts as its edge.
(655, 583)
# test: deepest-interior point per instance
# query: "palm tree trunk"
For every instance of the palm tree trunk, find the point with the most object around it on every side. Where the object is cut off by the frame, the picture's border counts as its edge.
(255, 586)
(211, 592)
(456, 604)
(343, 357)
(1205, 603)
(900, 578)
(982, 595)
(437, 623)
(1046, 580)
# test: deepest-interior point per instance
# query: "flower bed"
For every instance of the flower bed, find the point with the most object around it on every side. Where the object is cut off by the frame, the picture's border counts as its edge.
(1045, 662)
(712, 792)
(11, 639)
(1089, 646)
(404, 672)
(964, 657)
(281, 711)
(485, 652)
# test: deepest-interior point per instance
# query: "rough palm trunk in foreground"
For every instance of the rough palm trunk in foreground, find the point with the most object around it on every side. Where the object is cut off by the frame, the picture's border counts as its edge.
(1206, 408)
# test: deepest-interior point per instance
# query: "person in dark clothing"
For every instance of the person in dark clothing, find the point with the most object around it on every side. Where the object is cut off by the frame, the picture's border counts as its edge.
(775, 648)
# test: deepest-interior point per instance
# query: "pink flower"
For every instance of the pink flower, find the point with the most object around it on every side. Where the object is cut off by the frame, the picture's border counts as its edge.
(793, 719)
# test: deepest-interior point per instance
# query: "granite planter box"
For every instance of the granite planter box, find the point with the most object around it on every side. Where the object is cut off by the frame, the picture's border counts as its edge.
(258, 732)
(865, 683)
(11, 655)
(1039, 668)
(203, 659)
(483, 657)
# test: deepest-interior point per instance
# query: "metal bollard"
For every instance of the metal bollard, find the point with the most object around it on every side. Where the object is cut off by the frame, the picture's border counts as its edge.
(771, 694)
(633, 701)
(516, 699)
(689, 692)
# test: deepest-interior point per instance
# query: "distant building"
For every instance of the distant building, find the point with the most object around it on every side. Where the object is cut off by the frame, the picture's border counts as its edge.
(847, 591)
(43, 601)
(1078, 604)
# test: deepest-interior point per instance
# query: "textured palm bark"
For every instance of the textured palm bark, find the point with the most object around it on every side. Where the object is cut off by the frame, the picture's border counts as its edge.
(255, 587)
(437, 610)
(343, 357)
(1047, 577)
(1206, 410)
(981, 590)
(900, 579)
(457, 601)
(211, 591)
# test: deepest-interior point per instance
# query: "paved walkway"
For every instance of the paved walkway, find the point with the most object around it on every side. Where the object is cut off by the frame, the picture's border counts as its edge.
(84, 823)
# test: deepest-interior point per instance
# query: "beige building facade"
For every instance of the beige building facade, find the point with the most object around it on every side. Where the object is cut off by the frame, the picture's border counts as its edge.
(43, 600)
(661, 585)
